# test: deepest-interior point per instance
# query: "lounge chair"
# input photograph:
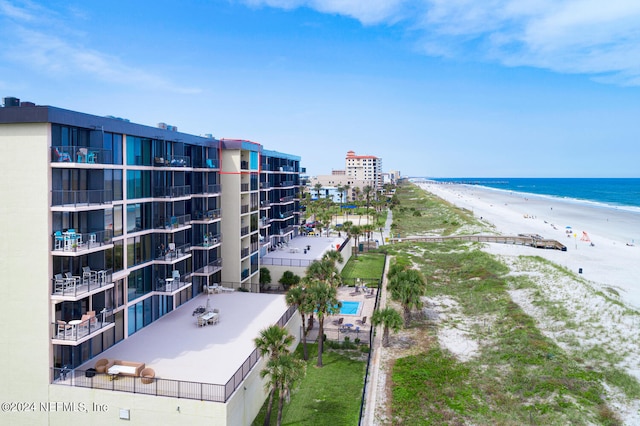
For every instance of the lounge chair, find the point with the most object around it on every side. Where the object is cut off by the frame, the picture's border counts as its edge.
(101, 365)
(338, 321)
(363, 321)
(147, 375)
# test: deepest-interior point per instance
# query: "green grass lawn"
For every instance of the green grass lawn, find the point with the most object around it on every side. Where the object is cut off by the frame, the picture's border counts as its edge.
(326, 396)
(367, 265)
(519, 376)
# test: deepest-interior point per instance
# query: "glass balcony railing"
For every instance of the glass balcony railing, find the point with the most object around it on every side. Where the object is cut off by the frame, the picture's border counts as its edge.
(211, 240)
(78, 329)
(207, 215)
(174, 252)
(173, 222)
(172, 191)
(81, 197)
(173, 283)
(210, 269)
(172, 161)
(69, 285)
(81, 155)
(70, 240)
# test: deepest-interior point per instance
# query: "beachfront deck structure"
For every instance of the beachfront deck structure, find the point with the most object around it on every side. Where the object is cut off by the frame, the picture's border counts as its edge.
(528, 240)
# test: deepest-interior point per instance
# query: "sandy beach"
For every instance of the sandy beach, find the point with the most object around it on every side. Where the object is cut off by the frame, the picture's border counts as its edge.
(602, 301)
(606, 259)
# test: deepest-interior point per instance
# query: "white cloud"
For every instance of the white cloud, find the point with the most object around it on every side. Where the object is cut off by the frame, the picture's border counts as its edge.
(366, 11)
(46, 50)
(569, 36)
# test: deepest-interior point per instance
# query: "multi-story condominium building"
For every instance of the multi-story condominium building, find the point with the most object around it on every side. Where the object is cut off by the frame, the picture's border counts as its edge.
(108, 226)
(364, 167)
(335, 184)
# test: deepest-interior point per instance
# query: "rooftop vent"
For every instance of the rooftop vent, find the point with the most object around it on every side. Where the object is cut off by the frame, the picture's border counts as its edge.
(11, 102)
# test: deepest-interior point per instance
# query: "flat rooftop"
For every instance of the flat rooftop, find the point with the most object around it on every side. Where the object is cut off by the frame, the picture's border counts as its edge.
(294, 249)
(176, 348)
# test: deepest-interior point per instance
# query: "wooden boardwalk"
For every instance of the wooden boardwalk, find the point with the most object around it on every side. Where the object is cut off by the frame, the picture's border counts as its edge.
(531, 241)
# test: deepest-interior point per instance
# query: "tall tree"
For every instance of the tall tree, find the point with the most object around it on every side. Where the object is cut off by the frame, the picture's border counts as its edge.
(287, 370)
(367, 195)
(325, 269)
(354, 232)
(325, 302)
(297, 296)
(390, 320)
(317, 187)
(272, 342)
(407, 287)
(346, 189)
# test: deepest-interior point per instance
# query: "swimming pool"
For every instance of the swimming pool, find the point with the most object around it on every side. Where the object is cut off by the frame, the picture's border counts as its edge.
(350, 307)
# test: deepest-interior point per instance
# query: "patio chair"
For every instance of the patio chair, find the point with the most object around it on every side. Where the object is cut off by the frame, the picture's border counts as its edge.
(176, 276)
(59, 240)
(147, 375)
(84, 325)
(201, 321)
(71, 280)
(88, 275)
(82, 155)
(363, 321)
(338, 321)
(64, 329)
(101, 365)
(58, 283)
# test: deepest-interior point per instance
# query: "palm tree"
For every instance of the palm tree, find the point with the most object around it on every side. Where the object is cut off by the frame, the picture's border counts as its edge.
(273, 341)
(367, 194)
(339, 189)
(325, 302)
(407, 287)
(346, 189)
(283, 372)
(325, 269)
(297, 296)
(317, 187)
(355, 231)
(390, 319)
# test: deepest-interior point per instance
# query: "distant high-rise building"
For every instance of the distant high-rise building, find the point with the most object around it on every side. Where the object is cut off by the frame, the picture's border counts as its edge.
(364, 168)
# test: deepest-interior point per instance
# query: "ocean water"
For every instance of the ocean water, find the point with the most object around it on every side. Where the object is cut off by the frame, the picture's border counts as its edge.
(619, 193)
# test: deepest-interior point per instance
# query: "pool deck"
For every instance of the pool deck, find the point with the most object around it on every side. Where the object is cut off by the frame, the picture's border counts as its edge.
(331, 328)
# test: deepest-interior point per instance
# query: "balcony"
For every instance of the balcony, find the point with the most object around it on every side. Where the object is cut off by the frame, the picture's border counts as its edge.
(174, 253)
(81, 197)
(208, 216)
(173, 284)
(244, 187)
(79, 330)
(244, 209)
(286, 183)
(172, 191)
(244, 231)
(80, 155)
(287, 199)
(209, 241)
(69, 287)
(265, 185)
(209, 269)
(172, 161)
(244, 252)
(65, 242)
(173, 223)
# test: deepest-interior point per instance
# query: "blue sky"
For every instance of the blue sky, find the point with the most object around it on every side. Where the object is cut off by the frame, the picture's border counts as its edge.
(439, 88)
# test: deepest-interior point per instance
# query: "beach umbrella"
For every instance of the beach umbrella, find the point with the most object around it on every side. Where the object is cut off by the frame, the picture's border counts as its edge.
(568, 227)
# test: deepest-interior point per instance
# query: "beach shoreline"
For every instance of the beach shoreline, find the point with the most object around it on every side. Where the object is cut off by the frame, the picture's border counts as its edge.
(600, 241)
